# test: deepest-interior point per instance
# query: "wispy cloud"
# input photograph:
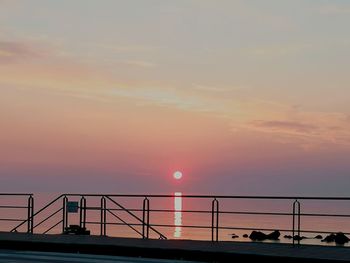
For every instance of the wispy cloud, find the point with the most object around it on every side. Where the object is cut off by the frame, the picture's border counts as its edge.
(311, 128)
(286, 126)
(140, 63)
(16, 51)
(218, 88)
(347, 118)
(7, 2)
(236, 104)
(130, 48)
(162, 97)
(335, 9)
(277, 50)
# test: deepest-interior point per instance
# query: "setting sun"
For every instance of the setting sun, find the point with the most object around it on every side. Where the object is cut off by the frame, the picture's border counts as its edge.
(177, 175)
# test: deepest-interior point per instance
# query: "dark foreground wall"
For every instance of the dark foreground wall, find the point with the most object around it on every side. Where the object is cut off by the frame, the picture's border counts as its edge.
(174, 249)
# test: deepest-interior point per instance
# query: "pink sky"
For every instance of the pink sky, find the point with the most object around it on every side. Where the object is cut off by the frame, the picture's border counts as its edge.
(243, 98)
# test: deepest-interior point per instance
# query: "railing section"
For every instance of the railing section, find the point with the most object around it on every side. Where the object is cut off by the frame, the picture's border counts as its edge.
(145, 218)
(15, 208)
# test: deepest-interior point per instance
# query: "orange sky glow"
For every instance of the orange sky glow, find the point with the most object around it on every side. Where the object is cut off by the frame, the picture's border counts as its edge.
(121, 102)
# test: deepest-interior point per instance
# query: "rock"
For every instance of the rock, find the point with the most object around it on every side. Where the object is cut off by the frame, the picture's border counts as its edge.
(318, 237)
(288, 236)
(298, 238)
(257, 235)
(274, 235)
(329, 238)
(260, 236)
(234, 236)
(245, 235)
(338, 238)
(341, 239)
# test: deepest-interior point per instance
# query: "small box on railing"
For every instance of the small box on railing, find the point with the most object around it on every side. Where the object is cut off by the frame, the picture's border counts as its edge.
(72, 207)
(76, 230)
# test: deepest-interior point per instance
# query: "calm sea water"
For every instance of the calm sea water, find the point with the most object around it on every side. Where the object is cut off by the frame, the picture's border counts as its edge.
(184, 222)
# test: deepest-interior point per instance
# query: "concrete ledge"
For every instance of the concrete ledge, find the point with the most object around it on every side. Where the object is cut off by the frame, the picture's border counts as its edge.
(174, 249)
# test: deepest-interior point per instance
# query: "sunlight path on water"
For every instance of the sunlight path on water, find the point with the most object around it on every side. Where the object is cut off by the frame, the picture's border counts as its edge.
(178, 214)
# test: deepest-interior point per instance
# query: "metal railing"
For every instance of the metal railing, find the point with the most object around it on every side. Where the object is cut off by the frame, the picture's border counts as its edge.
(22, 204)
(141, 217)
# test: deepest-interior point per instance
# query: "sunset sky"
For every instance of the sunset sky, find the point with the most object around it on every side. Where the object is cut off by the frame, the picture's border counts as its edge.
(243, 97)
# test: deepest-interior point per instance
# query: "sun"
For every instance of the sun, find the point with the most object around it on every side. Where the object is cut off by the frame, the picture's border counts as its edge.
(177, 175)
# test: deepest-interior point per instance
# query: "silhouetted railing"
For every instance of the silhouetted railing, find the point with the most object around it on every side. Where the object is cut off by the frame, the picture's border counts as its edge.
(22, 204)
(141, 220)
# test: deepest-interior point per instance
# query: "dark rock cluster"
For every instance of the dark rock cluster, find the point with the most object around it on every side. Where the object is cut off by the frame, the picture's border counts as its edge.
(338, 238)
(297, 237)
(260, 236)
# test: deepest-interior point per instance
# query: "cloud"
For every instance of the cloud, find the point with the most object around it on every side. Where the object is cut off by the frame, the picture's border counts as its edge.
(161, 97)
(281, 50)
(128, 48)
(286, 126)
(311, 128)
(16, 51)
(219, 89)
(7, 2)
(333, 9)
(140, 63)
(347, 118)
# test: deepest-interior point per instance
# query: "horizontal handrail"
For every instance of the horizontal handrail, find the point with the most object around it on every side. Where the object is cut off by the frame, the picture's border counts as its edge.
(11, 219)
(12, 207)
(16, 194)
(223, 212)
(330, 198)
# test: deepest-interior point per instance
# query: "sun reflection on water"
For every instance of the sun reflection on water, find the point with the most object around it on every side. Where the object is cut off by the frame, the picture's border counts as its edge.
(178, 214)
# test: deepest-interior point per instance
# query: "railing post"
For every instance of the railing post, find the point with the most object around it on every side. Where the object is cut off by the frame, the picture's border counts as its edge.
(64, 214)
(30, 221)
(148, 210)
(145, 218)
(103, 216)
(215, 220)
(82, 215)
(296, 215)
